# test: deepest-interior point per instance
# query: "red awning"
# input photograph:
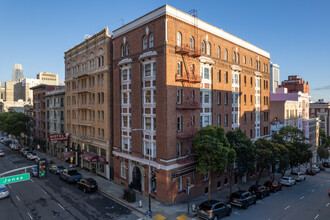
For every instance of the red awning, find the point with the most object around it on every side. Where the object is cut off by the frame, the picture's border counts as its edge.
(102, 159)
(68, 154)
(90, 157)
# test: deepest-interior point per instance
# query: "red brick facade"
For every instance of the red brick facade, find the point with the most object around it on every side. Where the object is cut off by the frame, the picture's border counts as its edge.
(295, 84)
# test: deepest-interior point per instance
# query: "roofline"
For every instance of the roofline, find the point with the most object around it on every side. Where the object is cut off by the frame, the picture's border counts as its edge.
(176, 13)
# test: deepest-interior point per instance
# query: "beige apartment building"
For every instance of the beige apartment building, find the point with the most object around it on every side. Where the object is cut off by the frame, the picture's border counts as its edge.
(88, 101)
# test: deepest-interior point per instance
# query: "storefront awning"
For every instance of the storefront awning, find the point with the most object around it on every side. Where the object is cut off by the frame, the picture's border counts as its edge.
(90, 157)
(68, 154)
(102, 159)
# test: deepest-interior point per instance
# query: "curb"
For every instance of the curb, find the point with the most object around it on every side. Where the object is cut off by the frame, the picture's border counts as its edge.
(122, 202)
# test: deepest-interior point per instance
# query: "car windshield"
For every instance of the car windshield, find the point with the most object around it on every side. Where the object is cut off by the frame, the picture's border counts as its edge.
(72, 172)
(205, 207)
(285, 178)
(91, 181)
(61, 167)
(3, 188)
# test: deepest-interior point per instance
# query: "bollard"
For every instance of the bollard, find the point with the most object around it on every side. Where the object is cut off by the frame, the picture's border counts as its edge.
(140, 203)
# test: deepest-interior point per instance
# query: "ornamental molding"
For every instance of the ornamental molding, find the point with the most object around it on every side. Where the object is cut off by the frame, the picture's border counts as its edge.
(237, 68)
(147, 54)
(208, 60)
(125, 61)
(257, 74)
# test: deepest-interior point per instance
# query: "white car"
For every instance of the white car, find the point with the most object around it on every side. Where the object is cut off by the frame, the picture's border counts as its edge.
(2, 153)
(32, 156)
(3, 191)
(316, 168)
(287, 181)
(298, 176)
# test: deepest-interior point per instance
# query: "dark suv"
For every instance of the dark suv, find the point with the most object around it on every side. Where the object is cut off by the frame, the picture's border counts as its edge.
(259, 191)
(273, 186)
(213, 210)
(242, 198)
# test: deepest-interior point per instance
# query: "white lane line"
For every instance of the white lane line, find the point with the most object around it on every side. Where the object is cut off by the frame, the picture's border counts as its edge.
(316, 216)
(327, 204)
(44, 191)
(30, 216)
(60, 206)
(18, 198)
(236, 213)
(287, 207)
(302, 197)
(9, 185)
(313, 190)
(32, 181)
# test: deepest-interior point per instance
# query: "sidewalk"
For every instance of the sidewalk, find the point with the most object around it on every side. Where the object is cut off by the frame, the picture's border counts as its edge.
(160, 211)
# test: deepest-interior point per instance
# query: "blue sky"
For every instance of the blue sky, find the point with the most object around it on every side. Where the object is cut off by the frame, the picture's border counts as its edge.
(36, 33)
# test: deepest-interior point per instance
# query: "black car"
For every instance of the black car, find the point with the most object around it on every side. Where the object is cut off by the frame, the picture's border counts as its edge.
(326, 164)
(87, 185)
(56, 169)
(213, 209)
(273, 186)
(260, 191)
(243, 198)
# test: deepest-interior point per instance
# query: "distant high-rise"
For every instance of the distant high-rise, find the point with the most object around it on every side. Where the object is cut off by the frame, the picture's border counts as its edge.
(17, 72)
(274, 77)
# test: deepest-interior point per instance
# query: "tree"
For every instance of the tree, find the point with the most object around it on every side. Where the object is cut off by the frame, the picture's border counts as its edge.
(211, 148)
(322, 152)
(324, 140)
(13, 123)
(265, 155)
(292, 134)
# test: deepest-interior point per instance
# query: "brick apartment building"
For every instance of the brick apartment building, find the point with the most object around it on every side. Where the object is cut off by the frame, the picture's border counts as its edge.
(88, 101)
(321, 110)
(39, 115)
(295, 84)
(172, 74)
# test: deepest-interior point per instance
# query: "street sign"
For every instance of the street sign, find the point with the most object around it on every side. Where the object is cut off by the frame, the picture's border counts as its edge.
(14, 179)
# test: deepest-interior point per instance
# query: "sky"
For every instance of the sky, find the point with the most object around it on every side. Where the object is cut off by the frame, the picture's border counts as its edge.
(296, 33)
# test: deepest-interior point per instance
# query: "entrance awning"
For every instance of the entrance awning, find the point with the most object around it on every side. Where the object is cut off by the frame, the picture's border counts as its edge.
(102, 159)
(68, 154)
(90, 157)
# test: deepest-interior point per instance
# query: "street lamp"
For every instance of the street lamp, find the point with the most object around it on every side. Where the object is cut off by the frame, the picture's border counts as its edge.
(147, 131)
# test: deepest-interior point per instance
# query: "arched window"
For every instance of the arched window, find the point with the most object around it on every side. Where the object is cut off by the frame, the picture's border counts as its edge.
(192, 43)
(234, 57)
(122, 50)
(237, 58)
(203, 47)
(179, 39)
(127, 49)
(226, 54)
(263, 67)
(250, 61)
(218, 52)
(208, 49)
(244, 59)
(151, 41)
(145, 42)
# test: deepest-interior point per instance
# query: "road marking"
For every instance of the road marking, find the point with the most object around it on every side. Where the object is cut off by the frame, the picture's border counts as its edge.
(9, 186)
(60, 206)
(18, 198)
(313, 190)
(316, 216)
(259, 201)
(287, 207)
(327, 204)
(236, 213)
(32, 181)
(44, 191)
(302, 197)
(30, 216)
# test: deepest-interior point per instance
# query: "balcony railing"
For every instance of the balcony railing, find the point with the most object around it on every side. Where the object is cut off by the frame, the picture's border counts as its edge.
(186, 50)
(188, 105)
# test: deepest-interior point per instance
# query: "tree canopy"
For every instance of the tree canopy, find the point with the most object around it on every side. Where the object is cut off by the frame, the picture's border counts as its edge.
(13, 123)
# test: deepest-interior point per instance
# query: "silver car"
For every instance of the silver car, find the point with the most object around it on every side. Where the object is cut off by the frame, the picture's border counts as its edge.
(3, 191)
(298, 176)
(287, 181)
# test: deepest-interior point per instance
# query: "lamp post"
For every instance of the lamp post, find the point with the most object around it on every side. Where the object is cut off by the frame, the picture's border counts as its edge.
(149, 186)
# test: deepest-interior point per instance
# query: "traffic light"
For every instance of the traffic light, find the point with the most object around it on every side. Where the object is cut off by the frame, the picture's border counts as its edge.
(42, 167)
(153, 182)
(188, 181)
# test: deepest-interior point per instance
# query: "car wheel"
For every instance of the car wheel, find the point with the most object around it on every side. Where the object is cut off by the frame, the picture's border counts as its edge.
(228, 213)
(255, 201)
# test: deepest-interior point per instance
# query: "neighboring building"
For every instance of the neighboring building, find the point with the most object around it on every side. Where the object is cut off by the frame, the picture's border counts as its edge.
(28, 110)
(55, 114)
(17, 73)
(274, 77)
(39, 115)
(174, 74)
(48, 78)
(88, 108)
(302, 114)
(295, 84)
(321, 110)
(314, 136)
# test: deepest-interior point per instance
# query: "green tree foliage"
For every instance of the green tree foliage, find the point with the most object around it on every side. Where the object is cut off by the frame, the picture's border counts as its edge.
(324, 140)
(245, 150)
(13, 123)
(292, 134)
(322, 152)
(212, 149)
(265, 155)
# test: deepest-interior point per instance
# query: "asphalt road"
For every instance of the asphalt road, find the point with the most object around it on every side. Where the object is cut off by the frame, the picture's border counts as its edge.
(307, 200)
(51, 198)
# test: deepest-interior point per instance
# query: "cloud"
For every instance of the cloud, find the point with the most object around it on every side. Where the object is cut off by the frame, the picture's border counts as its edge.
(323, 88)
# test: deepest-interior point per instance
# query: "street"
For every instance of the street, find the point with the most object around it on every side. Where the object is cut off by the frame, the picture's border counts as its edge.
(306, 200)
(51, 198)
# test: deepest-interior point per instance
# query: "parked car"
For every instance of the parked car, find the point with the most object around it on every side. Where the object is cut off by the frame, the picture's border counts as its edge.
(242, 198)
(4, 192)
(24, 149)
(213, 209)
(33, 171)
(87, 185)
(316, 168)
(56, 169)
(32, 156)
(70, 175)
(2, 153)
(259, 191)
(326, 164)
(298, 176)
(287, 181)
(26, 153)
(309, 171)
(273, 186)
(17, 148)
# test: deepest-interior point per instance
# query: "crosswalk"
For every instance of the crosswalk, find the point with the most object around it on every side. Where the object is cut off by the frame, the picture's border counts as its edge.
(161, 217)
